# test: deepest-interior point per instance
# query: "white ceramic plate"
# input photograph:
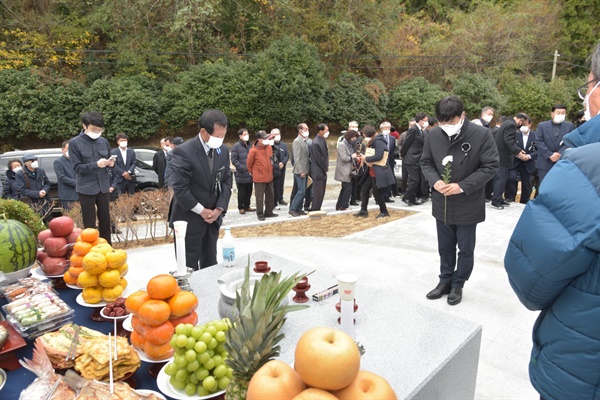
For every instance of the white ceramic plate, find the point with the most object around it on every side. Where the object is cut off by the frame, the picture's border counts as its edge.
(107, 317)
(147, 392)
(127, 323)
(81, 302)
(73, 286)
(162, 381)
(144, 357)
(38, 273)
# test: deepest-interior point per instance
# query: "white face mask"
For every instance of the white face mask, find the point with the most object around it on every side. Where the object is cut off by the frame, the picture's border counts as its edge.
(245, 138)
(353, 128)
(586, 104)
(215, 142)
(524, 129)
(425, 124)
(366, 140)
(385, 132)
(305, 133)
(277, 138)
(17, 169)
(94, 135)
(271, 142)
(35, 165)
(123, 144)
(265, 142)
(167, 148)
(67, 153)
(559, 118)
(326, 134)
(452, 130)
(487, 118)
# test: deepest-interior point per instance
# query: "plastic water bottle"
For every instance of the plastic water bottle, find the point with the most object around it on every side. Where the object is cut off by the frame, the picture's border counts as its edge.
(228, 249)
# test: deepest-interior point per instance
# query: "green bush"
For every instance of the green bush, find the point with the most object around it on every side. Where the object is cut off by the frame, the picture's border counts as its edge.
(15, 209)
(478, 91)
(410, 97)
(354, 98)
(130, 105)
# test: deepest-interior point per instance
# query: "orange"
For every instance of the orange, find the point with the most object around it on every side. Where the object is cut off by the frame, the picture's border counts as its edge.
(367, 386)
(76, 261)
(134, 301)
(74, 271)
(154, 312)
(137, 340)
(191, 318)
(158, 352)
(314, 394)
(275, 380)
(319, 354)
(82, 248)
(69, 279)
(160, 334)
(99, 241)
(182, 303)
(162, 287)
(89, 234)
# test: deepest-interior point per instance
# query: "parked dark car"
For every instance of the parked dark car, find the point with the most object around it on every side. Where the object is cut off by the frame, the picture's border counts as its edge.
(146, 177)
(146, 154)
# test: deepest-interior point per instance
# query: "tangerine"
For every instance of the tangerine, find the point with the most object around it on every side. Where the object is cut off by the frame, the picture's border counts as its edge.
(82, 248)
(76, 260)
(94, 263)
(99, 241)
(89, 234)
(69, 279)
(75, 271)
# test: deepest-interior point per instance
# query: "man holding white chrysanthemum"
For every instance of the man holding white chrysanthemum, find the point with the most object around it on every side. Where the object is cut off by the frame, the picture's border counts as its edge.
(458, 159)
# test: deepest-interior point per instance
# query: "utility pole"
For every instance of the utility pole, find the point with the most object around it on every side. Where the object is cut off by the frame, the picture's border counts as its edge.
(556, 55)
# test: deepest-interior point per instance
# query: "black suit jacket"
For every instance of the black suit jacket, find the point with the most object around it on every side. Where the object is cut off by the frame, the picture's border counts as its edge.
(122, 166)
(319, 159)
(193, 183)
(412, 148)
(530, 148)
(507, 143)
(65, 174)
(159, 165)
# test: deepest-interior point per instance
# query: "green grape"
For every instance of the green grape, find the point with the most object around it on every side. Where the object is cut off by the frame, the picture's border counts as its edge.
(192, 378)
(176, 384)
(202, 373)
(220, 371)
(212, 330)
(188, 329)
(220, 336)
(200, 347)
(218, 360)
(180, 361)
(229, 373)
(211, 353)
(180, 329)
(202, 392)
(193, 366)
(210, 364)
(206, 337)
(180, 351)
(190, 355)
(190, 389)
(191, 342)
(221, 326)
(220, 348)
(223, 383)
(210, 383)
(171, 369)
(213, 344)
(181, 340)
(181, 375)
(173, 342)
(202, 358)
(197, 332)
(224, 354)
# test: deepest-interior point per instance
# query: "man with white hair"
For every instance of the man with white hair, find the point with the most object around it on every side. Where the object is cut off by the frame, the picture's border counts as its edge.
(385, 129)
(487, 114)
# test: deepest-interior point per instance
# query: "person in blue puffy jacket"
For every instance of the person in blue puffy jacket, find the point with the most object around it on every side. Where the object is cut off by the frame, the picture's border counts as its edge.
(553, 262)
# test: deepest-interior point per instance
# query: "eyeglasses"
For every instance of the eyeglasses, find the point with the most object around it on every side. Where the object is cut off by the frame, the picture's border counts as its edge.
(582, 91)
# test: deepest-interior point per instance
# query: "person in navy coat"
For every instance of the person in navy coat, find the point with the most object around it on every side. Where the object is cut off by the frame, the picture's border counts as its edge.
(550, 134)
(526, 140)
(124, 166)
(65, 174)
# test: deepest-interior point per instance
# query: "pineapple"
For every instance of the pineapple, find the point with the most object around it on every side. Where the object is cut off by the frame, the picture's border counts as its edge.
(253, 339)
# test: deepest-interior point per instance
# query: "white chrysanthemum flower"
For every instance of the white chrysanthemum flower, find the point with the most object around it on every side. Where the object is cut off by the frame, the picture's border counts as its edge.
(446, 160)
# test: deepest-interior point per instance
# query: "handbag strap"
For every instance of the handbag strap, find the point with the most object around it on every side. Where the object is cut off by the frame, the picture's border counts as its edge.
(27, 180)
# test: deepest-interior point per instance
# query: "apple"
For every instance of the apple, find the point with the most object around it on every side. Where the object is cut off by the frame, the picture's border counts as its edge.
(41, 255)
(72, 238)
(56, 246)
(43, 235)
(367, 386)
(53, 266)
(61, 226)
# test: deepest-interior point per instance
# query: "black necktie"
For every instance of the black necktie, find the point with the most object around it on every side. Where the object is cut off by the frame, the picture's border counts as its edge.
(210, 153)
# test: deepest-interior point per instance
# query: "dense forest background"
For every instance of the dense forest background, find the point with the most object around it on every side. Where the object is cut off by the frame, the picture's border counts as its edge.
(152, 66)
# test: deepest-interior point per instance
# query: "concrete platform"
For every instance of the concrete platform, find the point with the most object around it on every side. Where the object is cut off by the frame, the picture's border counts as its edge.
(402, 256)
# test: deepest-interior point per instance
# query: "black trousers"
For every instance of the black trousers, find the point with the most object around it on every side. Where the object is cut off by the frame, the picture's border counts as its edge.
(201, 245)
(92, 204)
(126, 186)
(520, 171)
(404, 182)
(377, 194)
(449, 236)
(344, 196)
(355, 194)
(319, 187)
(276, 188)
(265, 201)
(414, 182)
(489, 189)
(244, 195)
(500, 185)
(281, 184)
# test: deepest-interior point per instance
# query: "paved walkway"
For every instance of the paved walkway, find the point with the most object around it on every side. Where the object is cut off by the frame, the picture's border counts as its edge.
(403, 255)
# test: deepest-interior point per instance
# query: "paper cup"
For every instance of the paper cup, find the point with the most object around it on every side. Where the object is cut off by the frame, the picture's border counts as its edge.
(347, 286)
(180, 228)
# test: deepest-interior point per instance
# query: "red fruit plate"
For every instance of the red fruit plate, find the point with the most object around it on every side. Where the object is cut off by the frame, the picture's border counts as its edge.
(15, 341)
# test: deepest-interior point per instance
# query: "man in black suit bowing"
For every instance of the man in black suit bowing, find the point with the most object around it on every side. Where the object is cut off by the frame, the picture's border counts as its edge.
(523, 166)
(201, 181)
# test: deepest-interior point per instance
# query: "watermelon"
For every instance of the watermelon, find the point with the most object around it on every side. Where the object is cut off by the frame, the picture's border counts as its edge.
(18, 246)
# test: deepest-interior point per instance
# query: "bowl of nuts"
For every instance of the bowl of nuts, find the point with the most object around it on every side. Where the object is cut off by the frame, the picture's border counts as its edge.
(115, 310)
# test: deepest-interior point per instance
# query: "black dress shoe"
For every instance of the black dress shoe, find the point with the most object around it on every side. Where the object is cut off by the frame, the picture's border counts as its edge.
(411, 202)
(261, 217)
(504, 203)
(250, 209)
(272, 215)
(424, 200)
(497, 206)
(301, 212)
(455, 296)
(362, 214)
(283, 203)
(294, 213)
(389, 200)
(353, 203)
(382, 215)
(440, 290)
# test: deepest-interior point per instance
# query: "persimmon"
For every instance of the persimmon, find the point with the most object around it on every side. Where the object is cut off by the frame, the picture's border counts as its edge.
(154, 312)
(160, 334)
(89, 234)
(162, 287)
(137, 340)
(138, 325)
(182, 303)
(191, 318)
(134, 301)
(76, 260)
(158, 352)
(82, 248)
